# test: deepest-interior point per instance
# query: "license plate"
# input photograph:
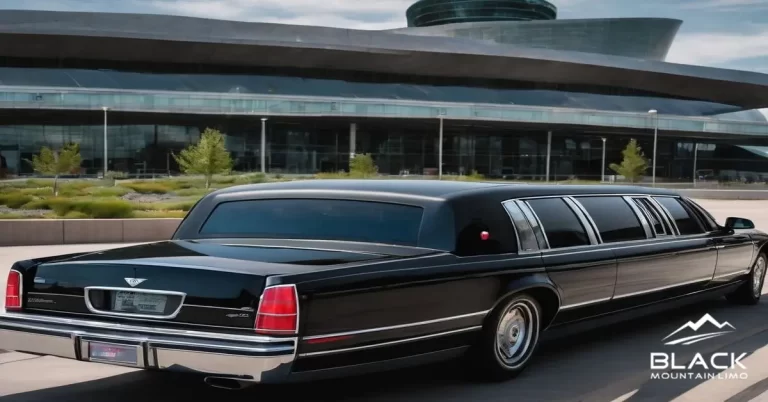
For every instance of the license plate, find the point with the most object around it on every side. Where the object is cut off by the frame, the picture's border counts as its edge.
(144, 303)
(110, 353)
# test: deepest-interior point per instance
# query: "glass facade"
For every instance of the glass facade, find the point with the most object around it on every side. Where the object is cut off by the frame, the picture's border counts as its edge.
(438, 12)
(143, 143)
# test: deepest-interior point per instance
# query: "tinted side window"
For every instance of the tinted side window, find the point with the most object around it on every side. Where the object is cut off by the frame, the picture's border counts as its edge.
(560, 224)
(684, 218)
(615, 219)
(704, 215)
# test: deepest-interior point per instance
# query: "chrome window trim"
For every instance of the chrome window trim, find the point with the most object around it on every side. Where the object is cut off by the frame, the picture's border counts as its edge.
(512, 207)
(134, 290)
(667, 216)
(592, 233)
(652, 213)
(589, 219)
(399, 326)
(390, 343)
(535, 223)
(640, 217)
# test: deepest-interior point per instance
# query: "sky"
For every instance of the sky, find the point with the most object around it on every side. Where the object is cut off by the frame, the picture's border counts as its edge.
(729, 34)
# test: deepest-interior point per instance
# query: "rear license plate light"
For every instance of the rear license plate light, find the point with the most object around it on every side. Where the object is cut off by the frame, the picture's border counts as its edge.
(112, 353)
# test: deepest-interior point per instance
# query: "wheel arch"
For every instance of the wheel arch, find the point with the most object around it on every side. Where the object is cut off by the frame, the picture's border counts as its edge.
(538, 286)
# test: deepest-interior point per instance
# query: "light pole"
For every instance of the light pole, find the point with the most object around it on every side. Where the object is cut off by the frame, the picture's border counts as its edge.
(695, 159)
(440, 151)
(105, 109)
(602, 175)
(264, 145)
(655, 114)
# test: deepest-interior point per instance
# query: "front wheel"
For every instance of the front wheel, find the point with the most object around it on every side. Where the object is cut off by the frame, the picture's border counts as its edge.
(749, 293)
(509, 339)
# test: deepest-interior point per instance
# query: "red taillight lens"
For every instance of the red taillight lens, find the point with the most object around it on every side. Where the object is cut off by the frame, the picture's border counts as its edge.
(278, 311)
(13, 291)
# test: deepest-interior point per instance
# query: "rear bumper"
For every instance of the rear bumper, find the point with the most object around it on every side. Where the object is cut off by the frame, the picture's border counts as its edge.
(250, 358)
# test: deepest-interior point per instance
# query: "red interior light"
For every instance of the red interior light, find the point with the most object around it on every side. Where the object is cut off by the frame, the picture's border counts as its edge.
(484, 235)
(13, 291)
(278, 311)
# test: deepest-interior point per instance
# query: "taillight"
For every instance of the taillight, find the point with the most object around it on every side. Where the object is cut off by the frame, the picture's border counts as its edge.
(278, 311)
(13, 291)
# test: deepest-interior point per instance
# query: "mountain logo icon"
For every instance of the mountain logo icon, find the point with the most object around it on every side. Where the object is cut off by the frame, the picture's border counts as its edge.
(685, 338)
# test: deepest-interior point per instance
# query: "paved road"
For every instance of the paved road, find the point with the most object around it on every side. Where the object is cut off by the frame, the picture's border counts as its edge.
(607, 364)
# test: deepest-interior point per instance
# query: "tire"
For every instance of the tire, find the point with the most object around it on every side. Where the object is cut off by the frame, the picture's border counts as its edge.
(750, 291)
(509, 339)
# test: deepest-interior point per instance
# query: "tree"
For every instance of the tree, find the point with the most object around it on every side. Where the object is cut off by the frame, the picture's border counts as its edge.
(634, 164)
(362, 165)
(208, 157)
(55, 163)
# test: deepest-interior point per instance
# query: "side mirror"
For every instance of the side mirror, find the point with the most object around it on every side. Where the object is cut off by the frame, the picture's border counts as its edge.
(739, 223)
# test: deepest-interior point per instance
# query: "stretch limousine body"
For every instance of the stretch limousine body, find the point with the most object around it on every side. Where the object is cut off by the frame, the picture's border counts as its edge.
(301, 280)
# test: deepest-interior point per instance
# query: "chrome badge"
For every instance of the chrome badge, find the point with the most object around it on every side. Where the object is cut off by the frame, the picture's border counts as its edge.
(134, 281)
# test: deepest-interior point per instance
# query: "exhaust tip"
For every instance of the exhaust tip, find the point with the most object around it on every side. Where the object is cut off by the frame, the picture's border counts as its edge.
(226, 383)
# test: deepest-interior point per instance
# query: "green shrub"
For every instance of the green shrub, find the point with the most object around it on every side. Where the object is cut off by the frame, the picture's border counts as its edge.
(224, 180)
(76, 215)
(38, 192)
(37, 183)
(339, 175)
(165, 206)
(14, 200)
(12, 215)
(148, 187)
(104, 209)
(362, 166)
(108, 191)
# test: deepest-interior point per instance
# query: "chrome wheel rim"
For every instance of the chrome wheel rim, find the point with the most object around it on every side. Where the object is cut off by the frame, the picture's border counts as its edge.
(516, 334)
(757, 276)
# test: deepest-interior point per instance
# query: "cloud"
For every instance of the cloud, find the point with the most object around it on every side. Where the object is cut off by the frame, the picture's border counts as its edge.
(381, 14)
(739, 5)
(718, 48)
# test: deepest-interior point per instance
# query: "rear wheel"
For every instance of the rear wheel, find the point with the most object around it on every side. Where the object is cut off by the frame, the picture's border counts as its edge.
(509, 339)
(750, 291)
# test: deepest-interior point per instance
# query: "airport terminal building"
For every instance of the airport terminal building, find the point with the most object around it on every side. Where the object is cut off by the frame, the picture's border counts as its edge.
(515, 91)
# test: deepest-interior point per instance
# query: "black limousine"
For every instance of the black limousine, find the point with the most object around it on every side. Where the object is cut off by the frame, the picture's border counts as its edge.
(307, 279)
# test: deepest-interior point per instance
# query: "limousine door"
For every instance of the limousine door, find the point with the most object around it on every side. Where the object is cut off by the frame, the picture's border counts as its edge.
(584, 271)
(653, 263)
(735, 251)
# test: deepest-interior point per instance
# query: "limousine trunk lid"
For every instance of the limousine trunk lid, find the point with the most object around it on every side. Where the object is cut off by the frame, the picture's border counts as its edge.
(204, 283)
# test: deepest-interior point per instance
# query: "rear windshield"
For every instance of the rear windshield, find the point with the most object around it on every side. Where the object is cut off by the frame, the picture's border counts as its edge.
(319, 219)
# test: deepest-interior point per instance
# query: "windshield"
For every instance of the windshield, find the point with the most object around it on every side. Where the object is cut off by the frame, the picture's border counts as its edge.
(362, 221)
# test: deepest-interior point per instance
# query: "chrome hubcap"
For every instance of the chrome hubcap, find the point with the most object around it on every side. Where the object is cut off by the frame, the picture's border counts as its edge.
(758, 275)
(515, 334)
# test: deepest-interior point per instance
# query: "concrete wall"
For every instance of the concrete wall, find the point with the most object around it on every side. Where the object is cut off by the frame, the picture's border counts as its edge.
(33, 232)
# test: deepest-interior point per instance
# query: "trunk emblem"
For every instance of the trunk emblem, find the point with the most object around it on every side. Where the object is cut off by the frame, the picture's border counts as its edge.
(134, 281)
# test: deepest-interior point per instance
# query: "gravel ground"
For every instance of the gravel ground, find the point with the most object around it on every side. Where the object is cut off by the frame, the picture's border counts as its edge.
(26, 212)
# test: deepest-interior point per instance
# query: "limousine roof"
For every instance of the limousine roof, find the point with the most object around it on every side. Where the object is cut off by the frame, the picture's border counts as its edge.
(447, 190)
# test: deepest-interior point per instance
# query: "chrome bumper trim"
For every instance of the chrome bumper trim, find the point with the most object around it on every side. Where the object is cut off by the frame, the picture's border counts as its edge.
(249, 358)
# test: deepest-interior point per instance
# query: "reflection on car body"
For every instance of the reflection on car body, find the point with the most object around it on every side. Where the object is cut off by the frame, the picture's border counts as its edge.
(261, 283)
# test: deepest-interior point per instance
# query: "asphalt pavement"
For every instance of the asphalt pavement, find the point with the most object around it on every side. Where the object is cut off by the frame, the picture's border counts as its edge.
(603, 364)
